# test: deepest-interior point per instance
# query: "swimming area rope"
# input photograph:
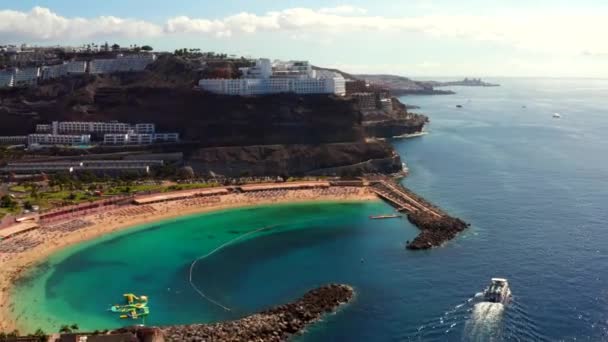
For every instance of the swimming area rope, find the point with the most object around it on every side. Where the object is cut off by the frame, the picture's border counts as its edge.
(199, 291)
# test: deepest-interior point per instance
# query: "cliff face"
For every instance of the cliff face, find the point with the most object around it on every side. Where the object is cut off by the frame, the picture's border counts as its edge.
(213, 120)
(392, 128)
(282, 134)
(341, 159)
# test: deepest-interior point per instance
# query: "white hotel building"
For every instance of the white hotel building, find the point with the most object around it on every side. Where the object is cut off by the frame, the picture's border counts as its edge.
(65, 69)
(7, 79)
(94, 127)
(121, 64)
(132, 138)
(58, 139)
(280, 77)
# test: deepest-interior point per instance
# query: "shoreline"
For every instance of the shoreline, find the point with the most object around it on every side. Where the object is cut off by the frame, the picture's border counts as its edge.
(15, 265)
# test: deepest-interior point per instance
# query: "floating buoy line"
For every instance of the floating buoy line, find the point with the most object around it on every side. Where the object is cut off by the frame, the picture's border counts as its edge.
(198, 290)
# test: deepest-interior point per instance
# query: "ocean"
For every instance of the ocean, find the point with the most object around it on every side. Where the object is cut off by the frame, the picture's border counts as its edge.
(533, 187)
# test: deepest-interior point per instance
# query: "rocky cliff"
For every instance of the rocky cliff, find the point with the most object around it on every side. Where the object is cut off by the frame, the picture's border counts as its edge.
(232, 135)
(340, 159)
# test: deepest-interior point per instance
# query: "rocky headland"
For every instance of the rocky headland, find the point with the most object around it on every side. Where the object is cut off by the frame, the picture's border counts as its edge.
(399, 85)
(434, 231)
(280, 134)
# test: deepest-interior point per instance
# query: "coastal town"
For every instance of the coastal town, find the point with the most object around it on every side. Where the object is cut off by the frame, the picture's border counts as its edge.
(76, 173)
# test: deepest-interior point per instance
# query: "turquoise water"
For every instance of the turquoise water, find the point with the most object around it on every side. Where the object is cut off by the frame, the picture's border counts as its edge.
(534, 188)
(155, 260)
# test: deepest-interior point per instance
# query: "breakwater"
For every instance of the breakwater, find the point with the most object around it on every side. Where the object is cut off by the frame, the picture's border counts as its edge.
(436, 226)
(276, 324)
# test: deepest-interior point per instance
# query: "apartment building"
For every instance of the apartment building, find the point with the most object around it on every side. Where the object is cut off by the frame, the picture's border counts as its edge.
(26, 77)
(121, 64)
(94, 127)
(58, 139)
(366, 101)
(65, 69)
(133, 138)
(13, 140)
(7, 79)
(281, 77)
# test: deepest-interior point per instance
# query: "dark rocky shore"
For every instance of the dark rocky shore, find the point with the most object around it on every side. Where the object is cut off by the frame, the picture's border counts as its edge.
(436, 226)
(276, 324)
(434, 231)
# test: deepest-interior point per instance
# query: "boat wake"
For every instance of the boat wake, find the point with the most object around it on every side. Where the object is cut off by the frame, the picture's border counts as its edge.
(477, 320)
(485, 322)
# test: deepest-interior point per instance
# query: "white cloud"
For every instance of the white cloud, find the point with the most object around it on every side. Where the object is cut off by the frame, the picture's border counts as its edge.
(343, 10)
(547, 32)
(42, 24)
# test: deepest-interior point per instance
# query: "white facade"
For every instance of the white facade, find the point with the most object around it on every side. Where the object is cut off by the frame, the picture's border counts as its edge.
(133, 138)
(166, 137)
(334, 85)
(65, 69)
(281, 77)
(58, 139)
(262, 69)
(121, 64)
(98, 127)
(26, 77)
(144, 128)
(13, 140)
(7, 79)
(43, 128)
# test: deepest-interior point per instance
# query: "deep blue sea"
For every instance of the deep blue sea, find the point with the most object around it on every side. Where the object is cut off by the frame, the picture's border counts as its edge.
(534, 188)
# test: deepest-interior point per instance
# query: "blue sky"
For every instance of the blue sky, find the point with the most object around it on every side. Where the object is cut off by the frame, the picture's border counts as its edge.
(412, 38)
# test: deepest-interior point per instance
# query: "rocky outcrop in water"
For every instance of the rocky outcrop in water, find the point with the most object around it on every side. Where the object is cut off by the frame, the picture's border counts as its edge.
(277, 324)
(434, 231)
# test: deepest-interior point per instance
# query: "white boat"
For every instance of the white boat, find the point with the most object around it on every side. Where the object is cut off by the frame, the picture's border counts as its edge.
(498, 291)
(556, 115)
(410, 135)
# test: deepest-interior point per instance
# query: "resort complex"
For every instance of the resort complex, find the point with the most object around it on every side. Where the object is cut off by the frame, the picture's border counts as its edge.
(82, 133)
(30, 76)
(278, 77)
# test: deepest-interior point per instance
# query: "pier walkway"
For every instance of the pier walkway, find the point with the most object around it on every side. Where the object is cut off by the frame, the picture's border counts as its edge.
(436, 226)
(403, 199)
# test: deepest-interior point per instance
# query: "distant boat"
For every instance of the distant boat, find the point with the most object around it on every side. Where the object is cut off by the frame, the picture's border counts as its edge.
(410, 135)
(556, 115)
(458, 106)
(524, 107)
(379, 217)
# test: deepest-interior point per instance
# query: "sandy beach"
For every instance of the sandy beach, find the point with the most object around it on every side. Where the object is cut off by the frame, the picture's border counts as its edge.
(20, 252)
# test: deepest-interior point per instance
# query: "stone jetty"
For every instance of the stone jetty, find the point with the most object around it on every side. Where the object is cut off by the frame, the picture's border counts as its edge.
(277, 324)
(436, 226)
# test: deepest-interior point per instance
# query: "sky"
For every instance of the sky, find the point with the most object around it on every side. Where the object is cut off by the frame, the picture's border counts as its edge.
(477, 38)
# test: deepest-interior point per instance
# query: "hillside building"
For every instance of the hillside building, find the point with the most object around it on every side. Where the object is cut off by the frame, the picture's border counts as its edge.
(58, 139)
(65, 69)
(94, 127)
(281, 77)
(133, 138)
(7, 79)
(121, 64)
(25, 77)
(13, 140)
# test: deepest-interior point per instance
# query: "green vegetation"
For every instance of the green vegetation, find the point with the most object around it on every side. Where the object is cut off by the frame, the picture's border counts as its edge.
(7, 202)
(18, 188)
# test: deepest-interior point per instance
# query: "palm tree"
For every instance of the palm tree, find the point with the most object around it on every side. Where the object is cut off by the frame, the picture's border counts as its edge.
(74, 327)
(65, 329)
